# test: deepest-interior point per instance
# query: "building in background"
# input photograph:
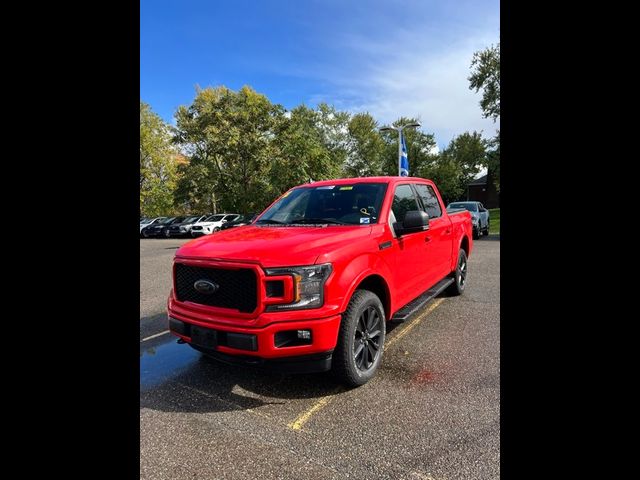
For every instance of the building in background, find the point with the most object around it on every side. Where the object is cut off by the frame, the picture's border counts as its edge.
(483, 191)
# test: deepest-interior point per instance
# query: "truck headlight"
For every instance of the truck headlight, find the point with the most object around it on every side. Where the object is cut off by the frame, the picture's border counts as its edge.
(308, 286)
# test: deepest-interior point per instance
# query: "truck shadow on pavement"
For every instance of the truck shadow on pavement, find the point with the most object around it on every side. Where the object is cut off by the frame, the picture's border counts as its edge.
(176, 378)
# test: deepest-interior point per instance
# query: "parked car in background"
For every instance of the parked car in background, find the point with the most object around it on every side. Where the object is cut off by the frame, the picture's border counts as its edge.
(212, 224)
(479, 216)
(240, 221)
(145, 222)
(158, 229)
(183, 228)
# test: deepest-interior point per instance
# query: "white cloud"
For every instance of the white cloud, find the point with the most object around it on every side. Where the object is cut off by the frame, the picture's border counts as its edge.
(413, 77)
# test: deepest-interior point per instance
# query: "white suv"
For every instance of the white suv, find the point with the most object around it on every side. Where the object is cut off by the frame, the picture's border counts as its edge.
(212, 224)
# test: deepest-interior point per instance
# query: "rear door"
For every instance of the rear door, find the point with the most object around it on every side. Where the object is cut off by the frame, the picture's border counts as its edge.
(411, 265)
(439, 241)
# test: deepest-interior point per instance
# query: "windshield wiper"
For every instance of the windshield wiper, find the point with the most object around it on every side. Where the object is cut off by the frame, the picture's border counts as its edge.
(274, 222)
(319, 221)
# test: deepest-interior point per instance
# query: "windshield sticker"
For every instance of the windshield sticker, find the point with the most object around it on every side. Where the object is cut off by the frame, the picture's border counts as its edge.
(326, 187)
(348, 187)
(364, 219)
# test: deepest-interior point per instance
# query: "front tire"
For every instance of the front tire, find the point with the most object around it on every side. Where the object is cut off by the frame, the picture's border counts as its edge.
(476, 233)
(486, 231)
(358, 353)
(459, 275)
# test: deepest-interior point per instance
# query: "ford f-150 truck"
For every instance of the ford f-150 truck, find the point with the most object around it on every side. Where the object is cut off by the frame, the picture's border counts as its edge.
(310, 285)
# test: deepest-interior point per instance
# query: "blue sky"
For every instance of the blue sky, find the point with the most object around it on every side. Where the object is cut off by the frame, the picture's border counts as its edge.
(391, 58)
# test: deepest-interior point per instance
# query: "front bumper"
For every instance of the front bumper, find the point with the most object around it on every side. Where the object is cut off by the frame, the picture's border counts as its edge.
(316, 363)
(259, 344)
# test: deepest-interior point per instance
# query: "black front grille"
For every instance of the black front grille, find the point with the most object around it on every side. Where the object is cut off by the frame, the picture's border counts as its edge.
(237, 289)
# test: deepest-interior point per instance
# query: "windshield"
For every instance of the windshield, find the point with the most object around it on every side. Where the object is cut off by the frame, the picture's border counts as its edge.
(472, 207)
(214, 218)
(356, 204)
(190, 219)
(164, 221)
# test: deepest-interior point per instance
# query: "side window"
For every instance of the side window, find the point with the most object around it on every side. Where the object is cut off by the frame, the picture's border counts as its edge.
(403, 201)
(429, 200)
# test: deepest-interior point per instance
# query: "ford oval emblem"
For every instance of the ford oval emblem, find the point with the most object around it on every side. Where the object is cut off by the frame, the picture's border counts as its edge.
(206, 287)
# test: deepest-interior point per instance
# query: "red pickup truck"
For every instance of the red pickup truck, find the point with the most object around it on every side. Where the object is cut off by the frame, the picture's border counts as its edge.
(311, 283)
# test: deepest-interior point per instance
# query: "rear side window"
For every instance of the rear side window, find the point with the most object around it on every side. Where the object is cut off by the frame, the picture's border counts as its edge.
(403, 201)
(429, 200)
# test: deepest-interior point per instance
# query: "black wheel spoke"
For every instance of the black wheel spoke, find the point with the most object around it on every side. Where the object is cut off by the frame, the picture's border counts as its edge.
(375, 319)
(361, 363)
(358, 350)
(372, 353)
(374, 334)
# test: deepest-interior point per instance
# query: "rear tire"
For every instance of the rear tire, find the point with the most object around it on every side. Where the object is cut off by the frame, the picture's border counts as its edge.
(459, 275)
(358, 353)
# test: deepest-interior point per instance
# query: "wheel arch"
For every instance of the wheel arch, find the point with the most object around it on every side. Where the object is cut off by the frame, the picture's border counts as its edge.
(369, 273)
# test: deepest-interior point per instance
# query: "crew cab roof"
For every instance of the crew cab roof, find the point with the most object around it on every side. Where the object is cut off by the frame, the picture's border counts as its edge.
(350, 181)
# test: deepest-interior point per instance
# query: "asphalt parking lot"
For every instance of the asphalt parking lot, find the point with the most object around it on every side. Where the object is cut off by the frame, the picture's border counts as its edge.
(432, 411)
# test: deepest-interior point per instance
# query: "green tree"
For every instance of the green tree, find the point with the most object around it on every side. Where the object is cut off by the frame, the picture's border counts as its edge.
(485, 76)
(158, 167)
(446, 173)
(229, 138)
(304, 149)
(468, 153)
(365, 149)
(493, 160)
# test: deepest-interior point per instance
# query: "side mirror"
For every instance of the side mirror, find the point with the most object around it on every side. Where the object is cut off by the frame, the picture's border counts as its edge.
(414, 221)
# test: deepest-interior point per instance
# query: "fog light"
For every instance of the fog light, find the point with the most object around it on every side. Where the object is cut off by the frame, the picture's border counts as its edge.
(304, 334)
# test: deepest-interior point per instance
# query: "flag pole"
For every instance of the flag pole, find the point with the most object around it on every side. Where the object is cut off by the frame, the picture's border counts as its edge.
(400, 151)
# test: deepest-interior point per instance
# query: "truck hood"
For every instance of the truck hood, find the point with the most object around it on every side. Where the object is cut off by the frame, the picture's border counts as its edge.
(273, 246)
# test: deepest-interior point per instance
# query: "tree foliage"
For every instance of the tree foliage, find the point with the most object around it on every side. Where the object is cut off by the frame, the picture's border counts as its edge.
(493, 160)
(228, 137)
(457, 165)
(485, 76)
(365, 152)
(309, 145)
(158, 172)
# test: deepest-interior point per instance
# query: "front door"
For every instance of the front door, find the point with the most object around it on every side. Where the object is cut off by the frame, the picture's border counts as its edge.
(411, 270)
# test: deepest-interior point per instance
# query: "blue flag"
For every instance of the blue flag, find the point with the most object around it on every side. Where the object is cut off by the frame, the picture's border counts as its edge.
(404, 160)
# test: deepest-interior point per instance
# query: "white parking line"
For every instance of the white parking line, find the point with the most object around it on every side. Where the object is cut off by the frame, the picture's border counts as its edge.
(154, 336)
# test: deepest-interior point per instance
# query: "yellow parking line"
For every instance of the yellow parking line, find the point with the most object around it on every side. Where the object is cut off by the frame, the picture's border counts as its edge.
(154, 336)
(305, 416)
(316, 407)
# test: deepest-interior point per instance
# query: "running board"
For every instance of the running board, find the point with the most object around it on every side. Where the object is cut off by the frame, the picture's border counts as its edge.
(417, 303)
